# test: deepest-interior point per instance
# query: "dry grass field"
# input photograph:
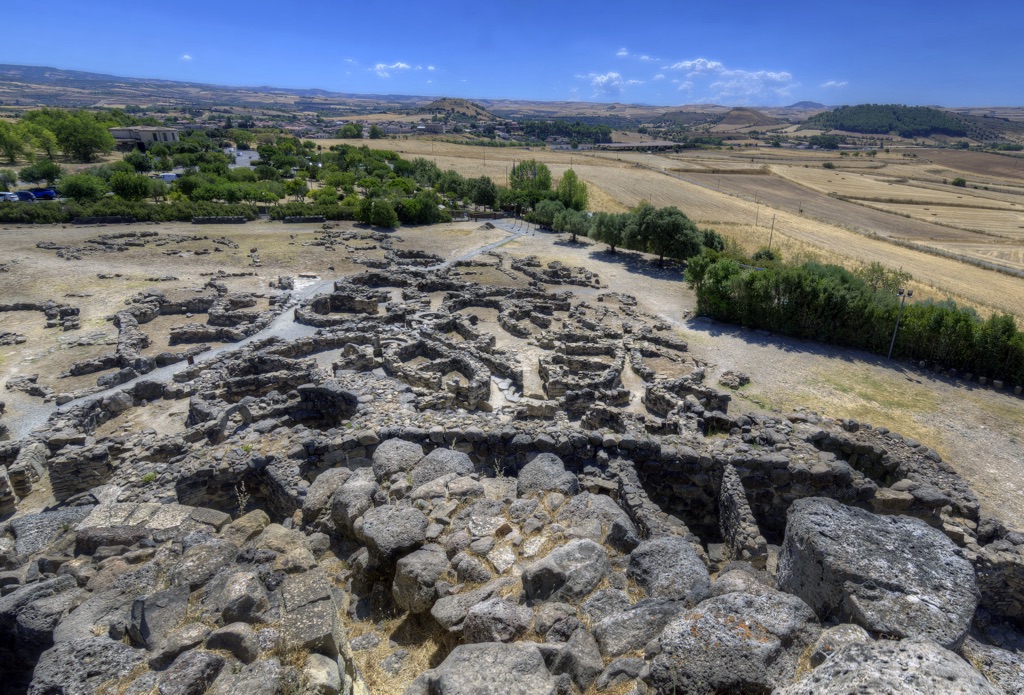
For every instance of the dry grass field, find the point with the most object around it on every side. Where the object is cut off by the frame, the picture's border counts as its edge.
(807, 220)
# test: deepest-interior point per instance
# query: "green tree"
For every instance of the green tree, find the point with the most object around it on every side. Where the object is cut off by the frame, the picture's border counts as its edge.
(959, 182)
(296, 187)
(376, 133)
(483, 191)
(673, 234)
(545, 212)
(328, 195)
(607, 229)
(7, 179)
(572, 222)
(43, 170)
(132, 187)
(82, 188)
(382, 214)
(351, 131)
(43, 139)
(140, 161)
(14, 141)
(532, 178)
(572, 191)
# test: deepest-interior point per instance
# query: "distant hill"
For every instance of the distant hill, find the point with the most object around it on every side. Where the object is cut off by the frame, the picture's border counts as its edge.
(687, 118)
(807, 106)
(905, 121)
(742, 116)
(452, 106)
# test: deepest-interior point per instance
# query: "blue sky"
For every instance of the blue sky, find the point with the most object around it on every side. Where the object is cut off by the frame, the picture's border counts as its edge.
(668, 53)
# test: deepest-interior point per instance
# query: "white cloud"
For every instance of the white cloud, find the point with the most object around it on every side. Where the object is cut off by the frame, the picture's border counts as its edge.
(834, 84)
(382, 69)
(684, 86)
(186, 58)
(609, 84)
(733, 84)
(658, 78)
(647, 59)
(350, 61)
(622, 53)
(698, 66)
(431, 67)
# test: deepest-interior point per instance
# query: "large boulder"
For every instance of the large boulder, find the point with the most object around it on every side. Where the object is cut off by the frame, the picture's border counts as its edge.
(81, 666)
(154, 616)
(393, 531)
(476, 669)
(733, 643)
(908, 667)
(546, 473)
(567, 573)
(416, 575)
(892, 575)
(635, 626)
(440, 462)
(496, 620)
(1002, 667)
(669, 567)
(351, 500)
(395, 456)
(600, 519)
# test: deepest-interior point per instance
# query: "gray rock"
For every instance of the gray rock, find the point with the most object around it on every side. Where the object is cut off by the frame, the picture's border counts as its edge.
(96, 613)
(893, 575)
(546, 473)
(37, 621)
(835, 638)
(395, 456)
(743, 580)
(477, 669)
(89, 540)
(1003, 668)
(580, 658)
(889, 667)
(636, 626)
(154, 616)
(236, 597)
(393, 531)
(440, 462)
(605, 602)
(588, 511)
(735, 642)
(320, 493)
(392, 664)
(190, 674)
(79, 667)
(669, 567)
(451, 611)
(320, 676)
(34, 532)
(619, 671)
(201, 562)
(567, 573)
(263, 677)
(496, 620)
(549, 614)
(310, 619)
(350, 501)
(416, 575)
(237, 638)
(177, 642)
(366, 641)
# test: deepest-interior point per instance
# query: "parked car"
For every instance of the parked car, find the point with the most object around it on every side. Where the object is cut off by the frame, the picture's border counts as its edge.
(6, 197)
(43, 193)
(25, 196)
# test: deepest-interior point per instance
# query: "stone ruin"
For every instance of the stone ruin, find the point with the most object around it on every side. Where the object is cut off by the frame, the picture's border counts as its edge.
(540, 486)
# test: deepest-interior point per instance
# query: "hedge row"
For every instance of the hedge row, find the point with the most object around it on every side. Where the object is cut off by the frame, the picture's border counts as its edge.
(49, 213)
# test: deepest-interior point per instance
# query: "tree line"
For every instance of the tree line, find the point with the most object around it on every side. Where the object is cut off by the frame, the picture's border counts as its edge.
(830, 304)
(906, 121)
(576, 130)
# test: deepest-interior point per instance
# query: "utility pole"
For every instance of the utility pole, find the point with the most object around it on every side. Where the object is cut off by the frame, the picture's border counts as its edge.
(771, 233)
(899, 315)
(757, 215)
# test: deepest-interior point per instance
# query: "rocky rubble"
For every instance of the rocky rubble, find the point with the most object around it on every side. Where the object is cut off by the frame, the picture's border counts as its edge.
(367, 510)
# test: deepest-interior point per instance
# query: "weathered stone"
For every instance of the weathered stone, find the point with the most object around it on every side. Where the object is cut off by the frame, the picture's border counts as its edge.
(416, 575)
(893, 575)
(907, 666)
(237, 638)
(154, 616)
(1003, 668)
(580, 658)
(440, 462)
(734, 642)
(190, 674)
(567, 573)
(495, 620)
(669, 567)
(392, 531)
(546, 473)
(81, 666)
(835, 638)
(472, 669)
(634, 627)
(395, 456)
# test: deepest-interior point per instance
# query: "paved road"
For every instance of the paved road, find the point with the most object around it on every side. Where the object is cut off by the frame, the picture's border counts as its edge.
(27, 419)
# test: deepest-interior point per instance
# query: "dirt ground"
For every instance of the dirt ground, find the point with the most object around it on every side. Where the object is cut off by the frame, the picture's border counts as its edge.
(977, 430)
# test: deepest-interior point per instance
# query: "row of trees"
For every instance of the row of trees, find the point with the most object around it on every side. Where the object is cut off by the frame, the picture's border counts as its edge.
(907, 121)
(830, 304)
(80, 135)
